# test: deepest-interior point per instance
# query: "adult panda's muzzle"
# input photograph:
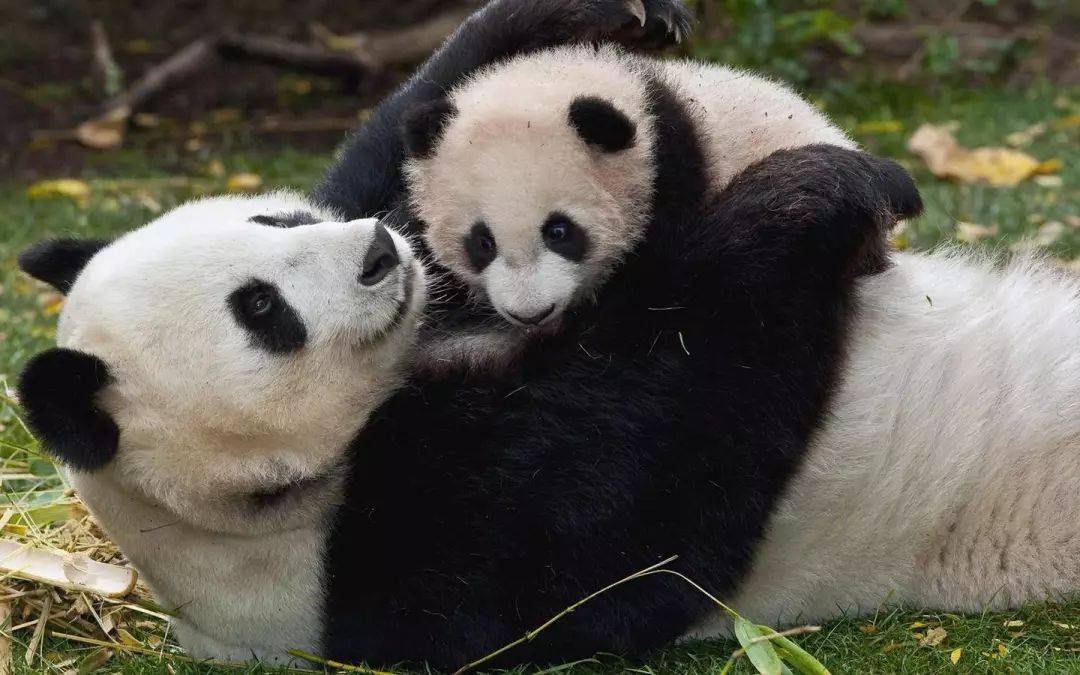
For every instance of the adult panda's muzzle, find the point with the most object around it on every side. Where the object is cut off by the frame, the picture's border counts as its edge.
(381, 258)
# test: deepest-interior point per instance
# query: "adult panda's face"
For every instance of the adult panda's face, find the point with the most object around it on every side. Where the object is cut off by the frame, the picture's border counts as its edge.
(225, 350)
(534, 180)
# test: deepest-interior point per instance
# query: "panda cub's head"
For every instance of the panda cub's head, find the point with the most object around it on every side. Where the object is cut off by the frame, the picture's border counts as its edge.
(222, 351)
(535, 177)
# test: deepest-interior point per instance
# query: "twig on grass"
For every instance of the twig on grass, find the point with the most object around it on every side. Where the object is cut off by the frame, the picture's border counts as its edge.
(308, 656)
(544, 626)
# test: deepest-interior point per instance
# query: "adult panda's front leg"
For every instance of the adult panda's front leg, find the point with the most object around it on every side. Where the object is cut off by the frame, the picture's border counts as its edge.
(365, 179)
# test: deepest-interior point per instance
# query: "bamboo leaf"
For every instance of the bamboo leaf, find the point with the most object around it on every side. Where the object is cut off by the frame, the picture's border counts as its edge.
(761, 653)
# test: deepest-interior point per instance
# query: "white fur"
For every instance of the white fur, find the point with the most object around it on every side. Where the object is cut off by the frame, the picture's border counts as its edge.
(510, 158)
(947, 474)
(207, 419)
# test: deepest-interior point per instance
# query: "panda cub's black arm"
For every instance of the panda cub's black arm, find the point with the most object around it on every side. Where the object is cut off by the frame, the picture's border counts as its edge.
(366, 180)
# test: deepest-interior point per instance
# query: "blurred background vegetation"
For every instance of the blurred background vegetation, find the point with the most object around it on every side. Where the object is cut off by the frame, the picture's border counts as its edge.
(846, 52)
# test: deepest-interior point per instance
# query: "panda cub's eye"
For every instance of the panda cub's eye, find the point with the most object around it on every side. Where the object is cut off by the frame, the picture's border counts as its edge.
(564, 237)
(557, 231)
(480, 247)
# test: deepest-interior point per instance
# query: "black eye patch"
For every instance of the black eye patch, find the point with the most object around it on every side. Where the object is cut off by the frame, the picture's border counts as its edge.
(565, 237)
(291, 219)
(480, 246)
(271, 323)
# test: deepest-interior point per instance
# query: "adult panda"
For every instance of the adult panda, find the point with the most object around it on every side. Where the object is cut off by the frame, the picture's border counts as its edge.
(232, 400)
(537, 176)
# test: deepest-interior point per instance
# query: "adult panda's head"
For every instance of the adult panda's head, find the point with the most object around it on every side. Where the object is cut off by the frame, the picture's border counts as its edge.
(535, 177)
(222, 352)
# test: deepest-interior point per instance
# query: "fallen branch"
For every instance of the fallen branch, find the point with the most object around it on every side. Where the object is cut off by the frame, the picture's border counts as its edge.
(349, 57)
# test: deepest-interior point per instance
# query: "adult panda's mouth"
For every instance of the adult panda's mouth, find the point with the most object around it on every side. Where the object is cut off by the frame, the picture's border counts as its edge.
(402, 311)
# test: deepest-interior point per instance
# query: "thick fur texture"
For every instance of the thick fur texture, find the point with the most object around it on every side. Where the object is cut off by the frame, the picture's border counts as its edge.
(59, 388)
(948, 474)
(212, 457)
(579, 132)
(666, 420)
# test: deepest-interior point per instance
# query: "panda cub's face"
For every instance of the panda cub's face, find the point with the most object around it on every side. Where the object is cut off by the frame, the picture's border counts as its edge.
(235, 343)
(534, 179)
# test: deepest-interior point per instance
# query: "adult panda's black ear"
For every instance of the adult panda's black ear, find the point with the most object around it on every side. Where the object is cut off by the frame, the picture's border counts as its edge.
(601, 124)
(58, 262)
(58, 389)
(422, 126)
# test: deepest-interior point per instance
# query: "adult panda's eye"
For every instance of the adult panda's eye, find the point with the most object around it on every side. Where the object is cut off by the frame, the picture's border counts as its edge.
(260, 303)
(480, 246)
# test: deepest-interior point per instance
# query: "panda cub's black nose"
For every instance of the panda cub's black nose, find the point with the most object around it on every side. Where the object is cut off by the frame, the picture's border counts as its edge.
(381, 258)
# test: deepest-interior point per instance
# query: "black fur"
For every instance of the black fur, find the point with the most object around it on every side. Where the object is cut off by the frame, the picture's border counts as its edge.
(573, 243)
(423, 126)
(291, 219)
(480, 246)
(634, 435)
(57, 389)
(271, 322)
(600, 123)
(58, 262)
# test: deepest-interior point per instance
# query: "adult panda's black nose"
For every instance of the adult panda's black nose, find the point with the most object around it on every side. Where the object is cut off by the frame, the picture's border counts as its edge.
(381, 257)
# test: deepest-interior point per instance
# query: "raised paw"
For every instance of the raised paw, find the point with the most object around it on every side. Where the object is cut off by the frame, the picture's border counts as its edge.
(637, 23)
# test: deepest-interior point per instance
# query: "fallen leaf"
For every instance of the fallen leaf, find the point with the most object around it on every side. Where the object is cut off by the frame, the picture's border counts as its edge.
(1025, 137)
(970, 233)
(1013, 624)
(1068, 122)
(868, 628)
(1002, 650)
(880, 127)
(1052, 165)
(934, 637)
(917, 624)
(955, 655)
(243, 182)
(1049, 181)
(76, 190)
(891, 647)
(1049, 232)
(946, 158)
(105, 132)
(146, 120)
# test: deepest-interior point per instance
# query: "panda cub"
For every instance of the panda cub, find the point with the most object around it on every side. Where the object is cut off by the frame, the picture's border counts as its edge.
(537, 176)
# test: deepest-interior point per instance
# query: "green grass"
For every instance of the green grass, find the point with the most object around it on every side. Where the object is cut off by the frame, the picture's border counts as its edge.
(132, 186)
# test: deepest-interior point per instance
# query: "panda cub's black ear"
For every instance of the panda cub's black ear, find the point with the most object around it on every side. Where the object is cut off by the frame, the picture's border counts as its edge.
(58, 391)
(600, 123)
(58, 262)
(422, 126)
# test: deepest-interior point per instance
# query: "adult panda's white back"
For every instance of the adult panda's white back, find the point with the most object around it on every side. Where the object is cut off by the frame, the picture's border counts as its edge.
(948, 475)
